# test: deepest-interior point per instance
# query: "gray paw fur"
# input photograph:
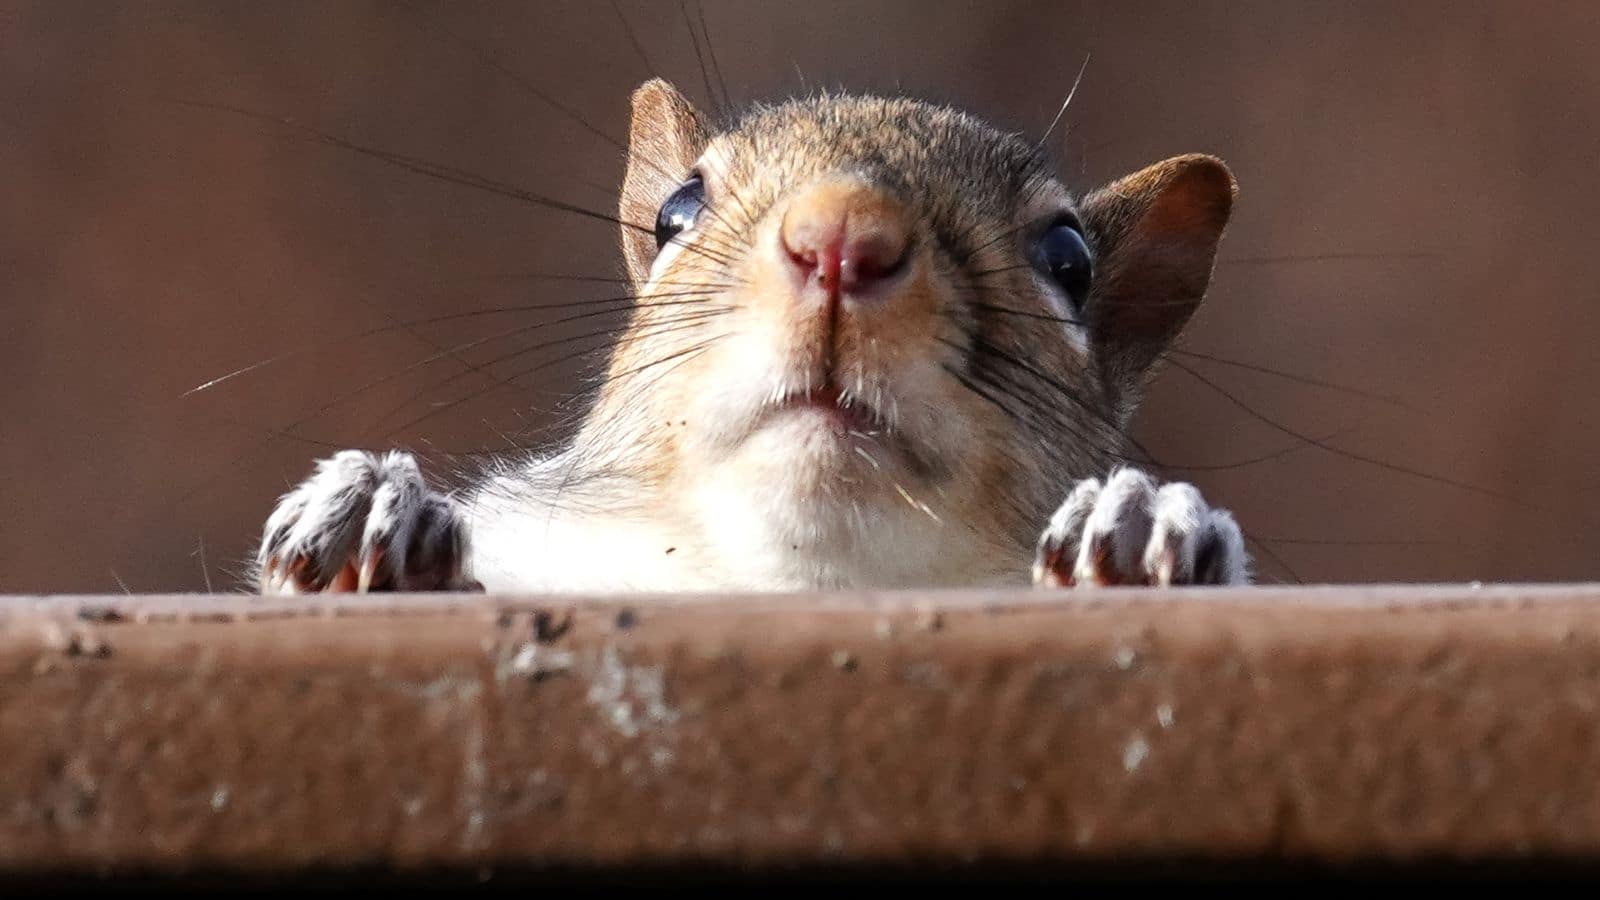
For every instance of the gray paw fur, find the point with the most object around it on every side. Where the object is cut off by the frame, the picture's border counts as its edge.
(364, 522)
(1129, 531)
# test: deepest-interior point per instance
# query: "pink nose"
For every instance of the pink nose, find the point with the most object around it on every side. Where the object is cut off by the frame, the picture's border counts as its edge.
(845, 236)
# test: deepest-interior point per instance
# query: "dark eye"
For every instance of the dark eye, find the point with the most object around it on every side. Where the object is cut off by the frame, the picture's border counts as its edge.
(1061, 253)
(679, 212)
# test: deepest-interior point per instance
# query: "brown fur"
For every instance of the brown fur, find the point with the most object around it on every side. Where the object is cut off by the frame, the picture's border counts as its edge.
(1053, 414)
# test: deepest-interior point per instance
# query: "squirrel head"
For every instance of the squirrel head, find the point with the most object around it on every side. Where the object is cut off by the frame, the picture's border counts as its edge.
(878, 303)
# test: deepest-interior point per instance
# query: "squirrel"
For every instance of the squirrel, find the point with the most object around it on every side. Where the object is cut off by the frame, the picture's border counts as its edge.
(876, 344)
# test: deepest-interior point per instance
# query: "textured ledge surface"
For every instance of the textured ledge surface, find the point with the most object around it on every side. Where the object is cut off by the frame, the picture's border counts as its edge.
(1327, 726)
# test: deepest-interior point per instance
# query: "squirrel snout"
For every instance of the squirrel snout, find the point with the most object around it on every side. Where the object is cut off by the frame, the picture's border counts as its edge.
(845, 236)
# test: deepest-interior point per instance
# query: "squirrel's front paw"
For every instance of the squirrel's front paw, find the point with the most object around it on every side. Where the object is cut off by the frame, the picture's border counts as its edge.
(1129, 531)
(364, 522)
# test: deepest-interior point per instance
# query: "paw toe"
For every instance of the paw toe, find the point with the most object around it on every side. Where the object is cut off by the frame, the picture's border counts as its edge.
(1117, 531)
(1179, 523)
(1057, 550)
(1220, 557)
(437, 549)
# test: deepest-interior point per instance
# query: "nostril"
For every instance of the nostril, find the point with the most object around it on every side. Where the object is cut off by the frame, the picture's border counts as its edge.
(814, 249)
(803, 237)
(805, 258)
(875, 257)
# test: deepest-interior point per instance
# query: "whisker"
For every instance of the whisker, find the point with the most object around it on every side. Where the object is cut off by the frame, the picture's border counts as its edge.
(749, 218)
(1257, 460)
(345, 339)
(471, 368)
(506, 72)
(1274, 557)
(997, 271)
(444, 173)
(432, 358)
(205, 570)
(1357, 457)
(1304, 379)
(1042, 406)
(591, 279)
(1323, 257)
(717, 104)
(965, 381)
(1036, 176)
(1265, 370)
(507, 382)
(711, 52)
(970, 255)
(1064, 104)
(1021, 313)
(415, 165)
(725, 252)
(525, 85)
(914, 503)
(1334, 542)
(697, 348)
(1067, 392)
(621, 329)
(633, 39)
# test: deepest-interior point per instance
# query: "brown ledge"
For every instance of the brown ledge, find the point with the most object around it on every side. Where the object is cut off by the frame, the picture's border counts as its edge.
(171, 736)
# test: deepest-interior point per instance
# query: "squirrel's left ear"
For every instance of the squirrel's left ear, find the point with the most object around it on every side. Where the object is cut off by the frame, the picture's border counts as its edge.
(665, 139)
(1154, 235)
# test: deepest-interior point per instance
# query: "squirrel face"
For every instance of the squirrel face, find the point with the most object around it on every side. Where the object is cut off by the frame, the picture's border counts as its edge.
(881, 311)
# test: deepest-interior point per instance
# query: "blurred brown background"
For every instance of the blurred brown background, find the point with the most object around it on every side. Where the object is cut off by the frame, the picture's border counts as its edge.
(1417, 219)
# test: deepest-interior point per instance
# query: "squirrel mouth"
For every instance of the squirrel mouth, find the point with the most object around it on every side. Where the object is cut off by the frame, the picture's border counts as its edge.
(843, 410)
(854, 426)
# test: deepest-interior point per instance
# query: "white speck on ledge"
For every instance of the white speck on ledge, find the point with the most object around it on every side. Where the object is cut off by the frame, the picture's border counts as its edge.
(1134, 754)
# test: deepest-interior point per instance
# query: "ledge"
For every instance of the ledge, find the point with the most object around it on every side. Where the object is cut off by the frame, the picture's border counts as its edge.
(177, 737)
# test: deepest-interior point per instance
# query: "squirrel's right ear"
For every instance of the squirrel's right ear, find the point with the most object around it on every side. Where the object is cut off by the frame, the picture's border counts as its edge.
(1155, 234)
(665, 140)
